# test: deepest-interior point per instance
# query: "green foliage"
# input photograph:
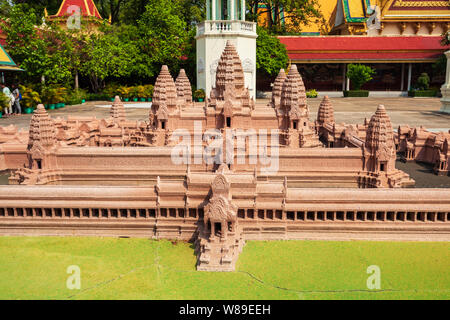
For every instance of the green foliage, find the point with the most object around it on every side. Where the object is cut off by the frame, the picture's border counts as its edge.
(423, 93)
(124, 92)
(53, 94)
(285, 16)
(271, 54)
(423, 82)
(149, 89)
(75, 97)
(356, 94)
(30, 98)
(164, 36)
(4, 102)
(199, 94)
(111, 90)
(312, 94)
(440, 66)
(359, 75)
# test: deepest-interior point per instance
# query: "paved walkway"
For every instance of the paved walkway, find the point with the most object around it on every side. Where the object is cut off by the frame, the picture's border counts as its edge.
(411, 111)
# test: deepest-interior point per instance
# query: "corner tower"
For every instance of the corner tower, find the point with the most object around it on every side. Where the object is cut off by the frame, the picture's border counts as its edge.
(225, 21)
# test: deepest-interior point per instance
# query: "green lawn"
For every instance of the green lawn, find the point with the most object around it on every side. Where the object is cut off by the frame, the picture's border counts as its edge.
(35, 268)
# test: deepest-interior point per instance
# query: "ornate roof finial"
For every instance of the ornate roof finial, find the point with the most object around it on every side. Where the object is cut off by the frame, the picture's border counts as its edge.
(230, 74)
(184, 89)
(165, 92)
(277, 88)
(42, 129)
(326, 111)
(118, 110)
(380, 134)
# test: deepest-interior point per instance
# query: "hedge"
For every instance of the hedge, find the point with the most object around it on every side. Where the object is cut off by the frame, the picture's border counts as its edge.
(356, 93)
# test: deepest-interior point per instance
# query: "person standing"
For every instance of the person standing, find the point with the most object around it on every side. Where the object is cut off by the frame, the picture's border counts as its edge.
(16, 94)
(9, 97)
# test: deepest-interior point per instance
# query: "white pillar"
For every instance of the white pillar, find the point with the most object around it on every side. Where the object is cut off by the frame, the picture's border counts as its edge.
(447, 78)
(347, 78)
(214, 10)
(409, 76)
(446, 88)
(231, 10)
(243, 10)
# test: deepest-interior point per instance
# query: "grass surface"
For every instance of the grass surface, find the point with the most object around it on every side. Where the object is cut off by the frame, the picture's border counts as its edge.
(35, 268)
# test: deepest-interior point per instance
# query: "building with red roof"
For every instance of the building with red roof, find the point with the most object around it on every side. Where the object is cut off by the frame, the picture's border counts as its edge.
(86, 9)
(399, 39)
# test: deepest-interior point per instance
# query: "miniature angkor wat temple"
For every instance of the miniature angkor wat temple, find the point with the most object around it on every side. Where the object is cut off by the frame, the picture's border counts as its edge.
(221, 173)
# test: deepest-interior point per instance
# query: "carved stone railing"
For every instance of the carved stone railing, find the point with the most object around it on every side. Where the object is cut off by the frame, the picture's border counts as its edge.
(226, 26)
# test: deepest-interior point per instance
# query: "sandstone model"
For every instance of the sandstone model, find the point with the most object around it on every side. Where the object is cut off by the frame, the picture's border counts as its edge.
(274, 174)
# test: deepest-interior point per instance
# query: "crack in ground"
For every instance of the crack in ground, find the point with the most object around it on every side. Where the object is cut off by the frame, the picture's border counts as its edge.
(104, 283)
(252, 276)
(160, 266)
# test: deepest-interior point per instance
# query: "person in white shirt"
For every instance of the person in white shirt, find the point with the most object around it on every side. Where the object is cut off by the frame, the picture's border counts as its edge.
(9, 96)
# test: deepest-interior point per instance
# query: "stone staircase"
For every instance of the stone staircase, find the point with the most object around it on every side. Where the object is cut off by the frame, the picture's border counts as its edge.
(216, 253)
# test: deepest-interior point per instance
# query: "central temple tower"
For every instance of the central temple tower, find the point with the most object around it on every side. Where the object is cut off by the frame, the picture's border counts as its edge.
(225, 21)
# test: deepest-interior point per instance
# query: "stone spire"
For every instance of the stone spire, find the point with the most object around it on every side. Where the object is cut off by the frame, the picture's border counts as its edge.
(293, 94)
(380, 134)
(184, 89)
(230, 74)
(326, 111)
(165, 92)
(380, 141)
(42, 129)
(277, 88)
(117, 111)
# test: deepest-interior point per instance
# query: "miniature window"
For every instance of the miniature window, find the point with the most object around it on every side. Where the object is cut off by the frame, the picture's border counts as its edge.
(228, 122)
(295, 124)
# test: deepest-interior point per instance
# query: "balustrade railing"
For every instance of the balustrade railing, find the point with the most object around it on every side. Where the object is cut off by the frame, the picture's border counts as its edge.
(224, 26)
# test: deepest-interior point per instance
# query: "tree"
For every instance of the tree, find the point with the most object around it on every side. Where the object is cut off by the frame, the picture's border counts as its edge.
(359, 75)
(25, 45)
(107, 55)
(164, 36)
(271, 54)
(38, 6)
(284, 15)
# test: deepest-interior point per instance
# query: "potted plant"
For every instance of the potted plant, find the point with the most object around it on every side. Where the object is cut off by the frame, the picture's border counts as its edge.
(30, 99)
(140, 93)
(359, 75)
(422, 87)
(199, 95)
(312, 94)
(111, 90)
(149, 92)
(53, 98)
(60, 93)
(134, 94)
(3, 103)
(124, 92)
